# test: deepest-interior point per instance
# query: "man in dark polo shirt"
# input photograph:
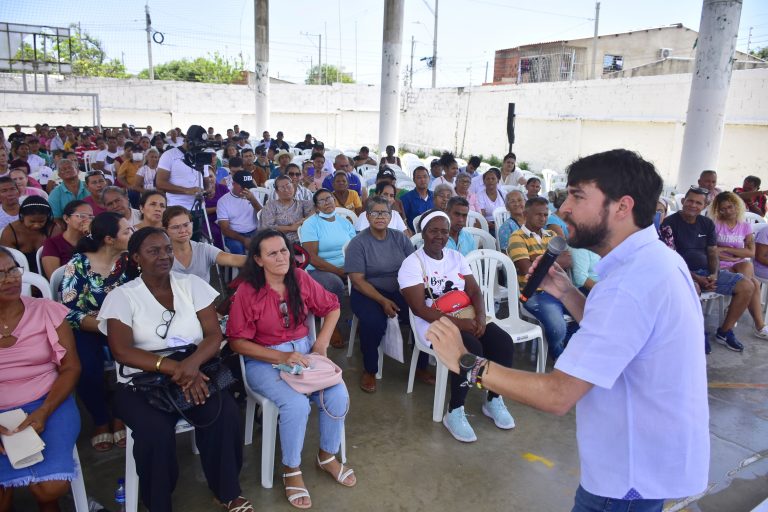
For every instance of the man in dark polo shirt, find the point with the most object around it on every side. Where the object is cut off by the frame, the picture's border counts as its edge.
(696, 241)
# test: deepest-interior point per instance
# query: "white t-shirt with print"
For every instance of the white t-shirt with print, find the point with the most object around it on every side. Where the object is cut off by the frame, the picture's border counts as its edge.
(135, 306)
(441, 276)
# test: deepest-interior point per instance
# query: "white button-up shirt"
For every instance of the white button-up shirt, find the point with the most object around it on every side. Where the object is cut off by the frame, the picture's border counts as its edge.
(644, 428)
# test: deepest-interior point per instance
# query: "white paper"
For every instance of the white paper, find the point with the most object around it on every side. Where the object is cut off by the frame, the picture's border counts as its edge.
(23, 448)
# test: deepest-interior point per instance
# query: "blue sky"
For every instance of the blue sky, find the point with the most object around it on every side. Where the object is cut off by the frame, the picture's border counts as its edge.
(469, 31)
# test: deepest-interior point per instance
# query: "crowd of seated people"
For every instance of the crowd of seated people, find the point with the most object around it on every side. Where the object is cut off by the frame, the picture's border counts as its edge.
(136, 237)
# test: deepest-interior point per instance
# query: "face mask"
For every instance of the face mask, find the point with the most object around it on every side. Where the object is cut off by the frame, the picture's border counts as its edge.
(326, 215)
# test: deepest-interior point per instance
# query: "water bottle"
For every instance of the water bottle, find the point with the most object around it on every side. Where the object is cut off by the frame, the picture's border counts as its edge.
(120, 495)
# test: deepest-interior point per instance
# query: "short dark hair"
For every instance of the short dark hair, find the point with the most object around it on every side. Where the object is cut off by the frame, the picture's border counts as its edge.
(509, 155)
(618, 173)
(474, 161)
(456, 201)
(174, 211)
(365, 149)
(315, 155)
(707, 171)
(419, 168)
(753, 180)
(536, 201)
(532, 179)
(446, 159)
(246, 150)
(235, 161)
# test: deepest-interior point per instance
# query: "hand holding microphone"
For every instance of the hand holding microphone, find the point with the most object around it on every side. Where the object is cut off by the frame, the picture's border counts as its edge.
(540, 269)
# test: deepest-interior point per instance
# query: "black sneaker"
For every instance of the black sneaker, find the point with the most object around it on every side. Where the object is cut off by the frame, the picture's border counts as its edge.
(728, 339)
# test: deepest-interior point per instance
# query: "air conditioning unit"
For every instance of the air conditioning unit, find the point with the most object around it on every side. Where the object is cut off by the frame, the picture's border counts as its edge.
(665, 53)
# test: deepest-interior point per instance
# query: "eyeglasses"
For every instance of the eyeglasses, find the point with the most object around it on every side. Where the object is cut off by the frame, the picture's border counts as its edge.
(379, 215)
(284, 313)
(12, 273)
(179, 227)
(285, 188)
(168, 315)
(324, 200)
(82, 216)
(297, 174)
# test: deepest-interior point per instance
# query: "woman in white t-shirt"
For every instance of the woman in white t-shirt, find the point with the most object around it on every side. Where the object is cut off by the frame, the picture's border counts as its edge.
(148, 171)
(431, 272)
(160, 310)
(491, 197)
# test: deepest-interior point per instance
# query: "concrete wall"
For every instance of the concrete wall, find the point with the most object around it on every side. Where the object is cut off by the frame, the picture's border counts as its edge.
(557, 122)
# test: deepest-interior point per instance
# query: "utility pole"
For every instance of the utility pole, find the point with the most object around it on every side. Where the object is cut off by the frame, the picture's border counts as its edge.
(749, 39)
(705, 119)
(389, 106)
(319, 58)
(149, 42)
(261, 69)
(486, 73)
(410, 70)
(594, 41)
(434, 52)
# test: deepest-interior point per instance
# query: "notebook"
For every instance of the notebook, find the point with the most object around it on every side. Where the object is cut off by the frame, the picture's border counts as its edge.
(23, 448)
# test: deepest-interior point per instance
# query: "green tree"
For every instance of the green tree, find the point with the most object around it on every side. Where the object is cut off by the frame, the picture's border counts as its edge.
(327, 74)
(83, 51)
(215, 69)
(761, 53)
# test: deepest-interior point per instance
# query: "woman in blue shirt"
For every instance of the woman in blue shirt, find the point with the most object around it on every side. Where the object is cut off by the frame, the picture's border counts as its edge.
(324, 235)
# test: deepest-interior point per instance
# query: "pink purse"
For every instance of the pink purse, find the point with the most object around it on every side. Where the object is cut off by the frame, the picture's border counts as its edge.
(321, 373)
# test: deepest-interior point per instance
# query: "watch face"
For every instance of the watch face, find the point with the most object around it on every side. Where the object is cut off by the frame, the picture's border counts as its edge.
(467, 361)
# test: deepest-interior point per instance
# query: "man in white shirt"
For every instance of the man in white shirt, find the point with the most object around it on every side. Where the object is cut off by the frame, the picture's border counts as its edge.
(174, 139)
(106, 159)
(181, 182)
(23, 153)
(58, 141)
(115, 199)
(236, 213)
(635, 369)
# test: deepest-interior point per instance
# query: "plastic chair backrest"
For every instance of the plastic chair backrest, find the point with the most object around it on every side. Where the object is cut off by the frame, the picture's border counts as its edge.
(417, 240)
(679, 201)
(88, 157)
(416, 221)
(485, 268)
(347, 214)
(21, 261)
(483, 239)
(474, 216)
(500, 216)
(36, 280)
(406, 185)
(261, 194)
(754, 218)
(39, 260)
(56, 278)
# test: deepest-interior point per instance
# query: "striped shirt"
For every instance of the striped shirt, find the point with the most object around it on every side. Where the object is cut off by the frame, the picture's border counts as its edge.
(524, 243)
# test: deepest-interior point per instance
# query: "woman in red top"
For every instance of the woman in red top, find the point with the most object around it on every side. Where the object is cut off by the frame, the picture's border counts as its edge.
(267, 326)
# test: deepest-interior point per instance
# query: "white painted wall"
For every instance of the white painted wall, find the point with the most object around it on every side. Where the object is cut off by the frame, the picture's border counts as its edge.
(556, 122)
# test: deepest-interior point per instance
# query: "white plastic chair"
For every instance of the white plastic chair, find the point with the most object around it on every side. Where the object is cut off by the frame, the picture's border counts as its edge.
(347, 214)
(261, 194)
(441, 376)
(483, 239)
(679, 201)
(754, 218)
(39, 260)
(56, 278)
(30, 279)
(417, 240)
(131, 477)
(88, 157)
(484, 264)
(77, 485)
(500, 216)
(364, 169)
(269, 415)
(406, 185)
(416, 222)
(474, 216)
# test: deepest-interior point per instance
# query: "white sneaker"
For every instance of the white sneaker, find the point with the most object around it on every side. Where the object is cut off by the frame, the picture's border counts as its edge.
(762, 333)
(497, 411)
(457, 424)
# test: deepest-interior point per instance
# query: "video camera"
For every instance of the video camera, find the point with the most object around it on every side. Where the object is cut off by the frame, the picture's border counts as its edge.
(197, 142)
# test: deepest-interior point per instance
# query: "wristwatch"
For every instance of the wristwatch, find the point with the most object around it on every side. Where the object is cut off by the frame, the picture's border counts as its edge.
(467, 362)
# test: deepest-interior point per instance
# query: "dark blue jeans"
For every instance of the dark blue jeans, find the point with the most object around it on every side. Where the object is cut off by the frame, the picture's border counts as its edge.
(372, 324)
(236, 246)
(588, 502)
(549, 312)
(91, 387)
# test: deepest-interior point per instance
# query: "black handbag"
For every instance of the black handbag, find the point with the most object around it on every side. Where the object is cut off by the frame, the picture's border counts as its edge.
(165, 395)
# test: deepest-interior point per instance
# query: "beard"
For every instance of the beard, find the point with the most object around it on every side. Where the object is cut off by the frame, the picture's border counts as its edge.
(589, 236)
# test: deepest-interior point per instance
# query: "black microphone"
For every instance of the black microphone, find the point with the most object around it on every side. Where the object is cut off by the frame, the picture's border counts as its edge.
(556, 246)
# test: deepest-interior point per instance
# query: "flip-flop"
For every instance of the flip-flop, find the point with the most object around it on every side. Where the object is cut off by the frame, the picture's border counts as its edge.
(344, 472)
(119, 438)
(303, 493)
(105, 440)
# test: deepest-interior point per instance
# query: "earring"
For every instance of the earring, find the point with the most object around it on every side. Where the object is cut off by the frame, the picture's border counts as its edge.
(138, 267)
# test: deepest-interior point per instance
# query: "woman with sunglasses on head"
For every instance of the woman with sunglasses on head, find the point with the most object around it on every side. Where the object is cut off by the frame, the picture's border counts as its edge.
(323, 235)
(190, 257)
(96, 268)
(300, 192)
(34, 227)
(160, 309)
(267, 326)
(57, 250)
(38, 371)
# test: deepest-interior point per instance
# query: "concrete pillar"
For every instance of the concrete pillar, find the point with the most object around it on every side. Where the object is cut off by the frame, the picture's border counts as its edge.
(261, 75)
(704, 123)
(389, 107)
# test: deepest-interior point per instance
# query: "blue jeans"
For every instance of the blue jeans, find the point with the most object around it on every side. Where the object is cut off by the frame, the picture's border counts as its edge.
(588, 502)
(294, 407)
(549, 312)
(236, 246)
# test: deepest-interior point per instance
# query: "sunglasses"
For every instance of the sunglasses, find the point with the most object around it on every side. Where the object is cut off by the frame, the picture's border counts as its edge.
(284, 313)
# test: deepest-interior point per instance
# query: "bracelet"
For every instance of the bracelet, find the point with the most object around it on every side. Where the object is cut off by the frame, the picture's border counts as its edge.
(475, 372)
(480, 372)
(159, 361)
